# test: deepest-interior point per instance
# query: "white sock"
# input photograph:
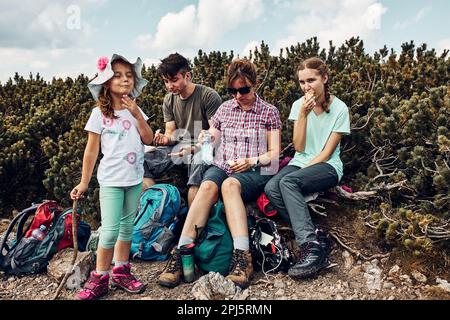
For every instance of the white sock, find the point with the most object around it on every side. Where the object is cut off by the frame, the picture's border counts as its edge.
(241, 243)
(184, 241)
(102, 273)
(120, 263)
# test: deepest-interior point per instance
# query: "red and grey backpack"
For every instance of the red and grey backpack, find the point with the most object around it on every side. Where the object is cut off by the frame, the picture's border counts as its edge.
(23, 254)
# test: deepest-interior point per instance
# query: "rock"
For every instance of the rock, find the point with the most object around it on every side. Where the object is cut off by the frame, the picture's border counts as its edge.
(356, 270)
(279, 284)
(443, 284)
(395, 269)
(373, 276)
(406, 279)
(279, 292)
(62, 261)
(348, 260)
(214, 286)
(391, 298)
(388, 285)
(419, 276)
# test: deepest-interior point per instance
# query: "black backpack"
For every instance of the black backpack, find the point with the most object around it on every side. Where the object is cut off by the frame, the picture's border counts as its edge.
(270, 250)
(27, 255)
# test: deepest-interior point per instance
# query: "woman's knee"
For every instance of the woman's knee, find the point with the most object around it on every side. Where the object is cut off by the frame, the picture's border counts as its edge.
(290, 181)
(231, 185)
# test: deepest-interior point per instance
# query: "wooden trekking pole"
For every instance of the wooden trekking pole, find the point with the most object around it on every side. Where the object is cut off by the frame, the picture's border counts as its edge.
(75, 248)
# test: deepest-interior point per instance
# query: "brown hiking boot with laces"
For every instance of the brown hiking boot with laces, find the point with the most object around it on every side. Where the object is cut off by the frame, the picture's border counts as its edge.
(171, 275)
(241, 268)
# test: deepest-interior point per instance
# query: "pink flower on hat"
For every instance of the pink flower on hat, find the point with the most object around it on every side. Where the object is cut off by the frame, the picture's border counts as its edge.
(102, 62)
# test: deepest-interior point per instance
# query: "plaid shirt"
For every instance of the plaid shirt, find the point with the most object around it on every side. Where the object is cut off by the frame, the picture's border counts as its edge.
(243, 134)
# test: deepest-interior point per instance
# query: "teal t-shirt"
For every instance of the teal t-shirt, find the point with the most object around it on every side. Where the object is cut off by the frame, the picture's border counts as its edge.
(318, 130)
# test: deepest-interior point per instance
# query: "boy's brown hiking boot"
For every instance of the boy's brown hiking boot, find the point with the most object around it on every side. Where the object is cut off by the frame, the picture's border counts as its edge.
(171, 275)
(241, 268)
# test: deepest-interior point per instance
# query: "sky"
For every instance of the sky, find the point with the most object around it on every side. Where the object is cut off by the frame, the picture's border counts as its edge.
(64, 38)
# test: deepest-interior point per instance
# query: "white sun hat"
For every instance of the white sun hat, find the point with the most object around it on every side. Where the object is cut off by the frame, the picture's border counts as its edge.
(105, 73)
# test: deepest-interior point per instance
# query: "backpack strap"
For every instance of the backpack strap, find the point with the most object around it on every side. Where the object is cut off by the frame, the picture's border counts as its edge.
(20, 221)
(160, 209)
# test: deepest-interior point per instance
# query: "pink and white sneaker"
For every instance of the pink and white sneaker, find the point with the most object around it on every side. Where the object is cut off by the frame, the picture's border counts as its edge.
(95, 287)
(123, 279)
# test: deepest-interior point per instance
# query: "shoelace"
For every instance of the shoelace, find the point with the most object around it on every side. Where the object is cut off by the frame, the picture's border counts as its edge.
(174, 263)
(239, 263)
(128, 276)
(304, 253)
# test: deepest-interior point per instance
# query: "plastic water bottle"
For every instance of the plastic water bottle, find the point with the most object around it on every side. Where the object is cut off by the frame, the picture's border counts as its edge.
(207, 149)
(39, 233)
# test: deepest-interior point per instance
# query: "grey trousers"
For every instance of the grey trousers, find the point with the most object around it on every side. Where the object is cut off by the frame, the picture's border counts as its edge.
(286, 192)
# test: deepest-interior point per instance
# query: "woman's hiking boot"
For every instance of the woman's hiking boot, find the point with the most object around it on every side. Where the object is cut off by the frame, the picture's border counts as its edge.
(171, 276)
(123, 279)
(313, 258)
(241, 268)
(95, 287)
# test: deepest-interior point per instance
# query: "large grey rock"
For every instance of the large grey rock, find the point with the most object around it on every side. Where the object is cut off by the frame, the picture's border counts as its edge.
(443, 284)
(62, 261)
(348, 260)
(214, 286)
(395, 269)
(372, 275)
(419, 276)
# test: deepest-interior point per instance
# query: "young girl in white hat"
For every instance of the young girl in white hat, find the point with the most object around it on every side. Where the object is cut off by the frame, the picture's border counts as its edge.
(120, 127)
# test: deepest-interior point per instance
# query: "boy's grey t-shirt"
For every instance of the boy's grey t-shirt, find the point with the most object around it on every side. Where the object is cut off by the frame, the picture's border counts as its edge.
(199, 107)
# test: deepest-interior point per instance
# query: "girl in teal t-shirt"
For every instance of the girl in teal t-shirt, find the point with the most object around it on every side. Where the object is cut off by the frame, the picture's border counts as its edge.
(320, 120)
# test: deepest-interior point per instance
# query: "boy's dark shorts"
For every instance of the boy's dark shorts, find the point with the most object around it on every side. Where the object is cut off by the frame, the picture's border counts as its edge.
(158, 163)
(252, 181)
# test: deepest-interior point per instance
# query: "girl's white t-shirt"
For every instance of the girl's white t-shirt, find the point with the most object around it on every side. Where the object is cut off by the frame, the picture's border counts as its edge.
(122, 164)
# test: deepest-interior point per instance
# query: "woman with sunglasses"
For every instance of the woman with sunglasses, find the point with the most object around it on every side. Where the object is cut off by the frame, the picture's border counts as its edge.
(320, 120)
(246, 130)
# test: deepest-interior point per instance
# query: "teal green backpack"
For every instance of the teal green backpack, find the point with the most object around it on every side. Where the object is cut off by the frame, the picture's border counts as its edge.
(214, 245)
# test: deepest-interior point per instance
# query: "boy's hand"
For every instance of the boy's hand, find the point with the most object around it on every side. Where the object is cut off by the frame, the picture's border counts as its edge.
(160, 139)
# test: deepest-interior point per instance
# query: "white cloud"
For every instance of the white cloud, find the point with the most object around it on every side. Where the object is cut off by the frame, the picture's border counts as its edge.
(45, 23)
(333, 20)
(47, 62)
(151, 61)
(204, 24)
(143, 42)
(37, 64)
(443, 44)
(250, 47)
(373, 16)
(413, 20)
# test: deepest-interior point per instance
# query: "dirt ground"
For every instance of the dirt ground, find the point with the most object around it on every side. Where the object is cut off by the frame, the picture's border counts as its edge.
(391, 276)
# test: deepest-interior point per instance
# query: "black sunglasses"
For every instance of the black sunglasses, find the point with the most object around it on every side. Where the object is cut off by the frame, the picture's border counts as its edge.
(243, 90)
